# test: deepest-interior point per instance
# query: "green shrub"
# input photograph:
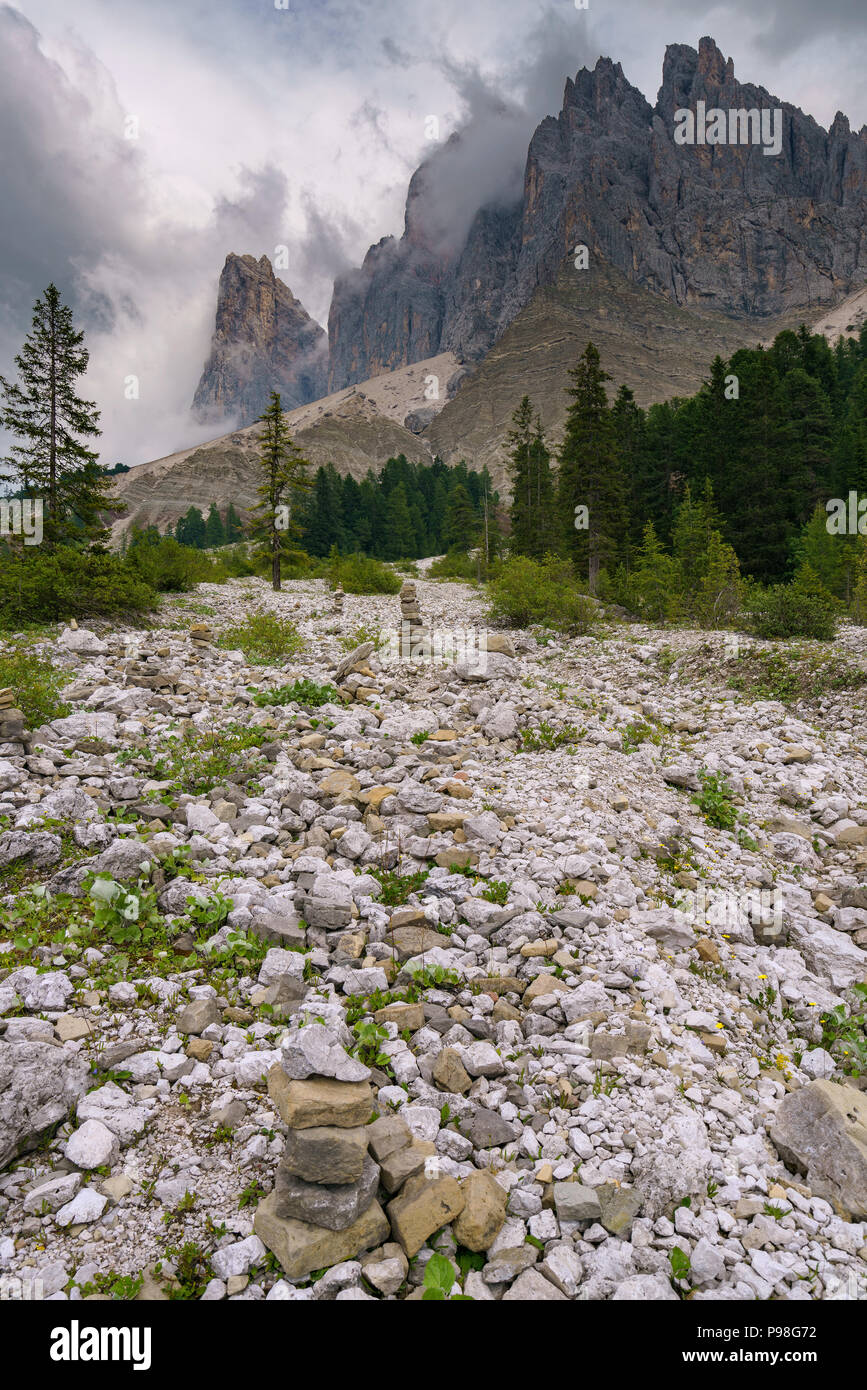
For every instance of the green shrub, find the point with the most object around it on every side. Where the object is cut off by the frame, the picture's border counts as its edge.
(396, 887)
(458, 564)
(715, 801)
(365, 632)
(197, 760)
(361, 574)
(232, 562)
(306, 693)
(545, 736)
(264, 638)
(68, 583)
(526, 591)
(166, 565)
(803, 608)
(35, 684)
(297, 564)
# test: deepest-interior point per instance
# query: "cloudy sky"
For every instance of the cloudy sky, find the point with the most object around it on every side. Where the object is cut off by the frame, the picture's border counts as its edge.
(142, 142)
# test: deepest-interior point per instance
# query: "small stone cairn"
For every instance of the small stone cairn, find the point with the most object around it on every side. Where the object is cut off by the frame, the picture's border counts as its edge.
(323, 1208)
(411, 631)
(201, 635)
(338, 598)
(11, 719)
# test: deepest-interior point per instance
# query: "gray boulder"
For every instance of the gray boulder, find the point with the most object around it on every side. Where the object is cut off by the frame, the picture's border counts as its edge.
(821, 1130)
(39, 1084)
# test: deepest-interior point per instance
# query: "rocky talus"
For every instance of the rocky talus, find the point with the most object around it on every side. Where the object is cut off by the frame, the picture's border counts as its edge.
(546, 960)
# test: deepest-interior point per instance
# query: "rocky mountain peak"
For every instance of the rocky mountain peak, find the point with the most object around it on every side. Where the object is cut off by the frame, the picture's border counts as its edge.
(264, 340)
(725, 226)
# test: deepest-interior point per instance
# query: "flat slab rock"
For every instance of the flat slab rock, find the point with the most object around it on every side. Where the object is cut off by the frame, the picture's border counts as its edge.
(326, 1153)
(301, 1247)
(821, 1129)
(309, 1104)
(335, 1206)
(39, 1084)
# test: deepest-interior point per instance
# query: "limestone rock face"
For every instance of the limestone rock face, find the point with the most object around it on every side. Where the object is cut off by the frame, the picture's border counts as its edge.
(688, 222)
(264, 340)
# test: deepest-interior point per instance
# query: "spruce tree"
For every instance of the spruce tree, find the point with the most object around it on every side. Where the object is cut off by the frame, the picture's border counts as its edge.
(694, 524)
(215, 531)
(190, 529)
(590, 474)
(833, 558)
(234, 529)
(850, 452)
(752, 492)
(43, 411)
(283, 467)
(655, 584)
(399, 525)
(520, 441)
(462, 523)
(630, 436)
(655, 480)
(719, 595)
(529, 465)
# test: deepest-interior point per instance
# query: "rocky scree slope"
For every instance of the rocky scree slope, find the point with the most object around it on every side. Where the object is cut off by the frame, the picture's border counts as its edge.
(583, 1078)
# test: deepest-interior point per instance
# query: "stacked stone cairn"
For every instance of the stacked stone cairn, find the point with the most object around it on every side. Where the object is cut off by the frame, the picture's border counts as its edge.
(323, 1208)
(201, 635)
(339, 596)
(412, 634)
(11, 722)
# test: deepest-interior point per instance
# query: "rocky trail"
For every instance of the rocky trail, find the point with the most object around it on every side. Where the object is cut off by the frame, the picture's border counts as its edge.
(546, 966)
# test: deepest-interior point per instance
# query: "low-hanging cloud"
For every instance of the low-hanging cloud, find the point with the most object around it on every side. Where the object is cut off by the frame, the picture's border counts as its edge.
(77, 210)
(300, 128)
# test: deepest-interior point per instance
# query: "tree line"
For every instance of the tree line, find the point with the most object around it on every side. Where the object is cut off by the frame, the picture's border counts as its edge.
(748, 463)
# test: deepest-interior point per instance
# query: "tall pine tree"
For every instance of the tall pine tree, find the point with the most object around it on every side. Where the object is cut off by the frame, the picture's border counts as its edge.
(590, 474)
(43, 411)
(283, 467)
(215, 531)
(529, 465)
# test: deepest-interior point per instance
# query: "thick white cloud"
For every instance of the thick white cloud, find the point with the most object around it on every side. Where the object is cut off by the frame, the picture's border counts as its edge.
(259, 127)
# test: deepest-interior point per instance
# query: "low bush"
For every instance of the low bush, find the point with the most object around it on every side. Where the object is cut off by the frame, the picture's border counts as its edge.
(168, 566)
(264, 638)
(458, 564)
(303, 692)
(526, 591)
(68, 583)
(35, 684)
(803, 608)
(361, 574)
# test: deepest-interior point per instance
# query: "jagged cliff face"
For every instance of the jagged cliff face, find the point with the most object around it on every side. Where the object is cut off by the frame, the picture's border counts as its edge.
(424, 294)
(264, 341)
(725, 227)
